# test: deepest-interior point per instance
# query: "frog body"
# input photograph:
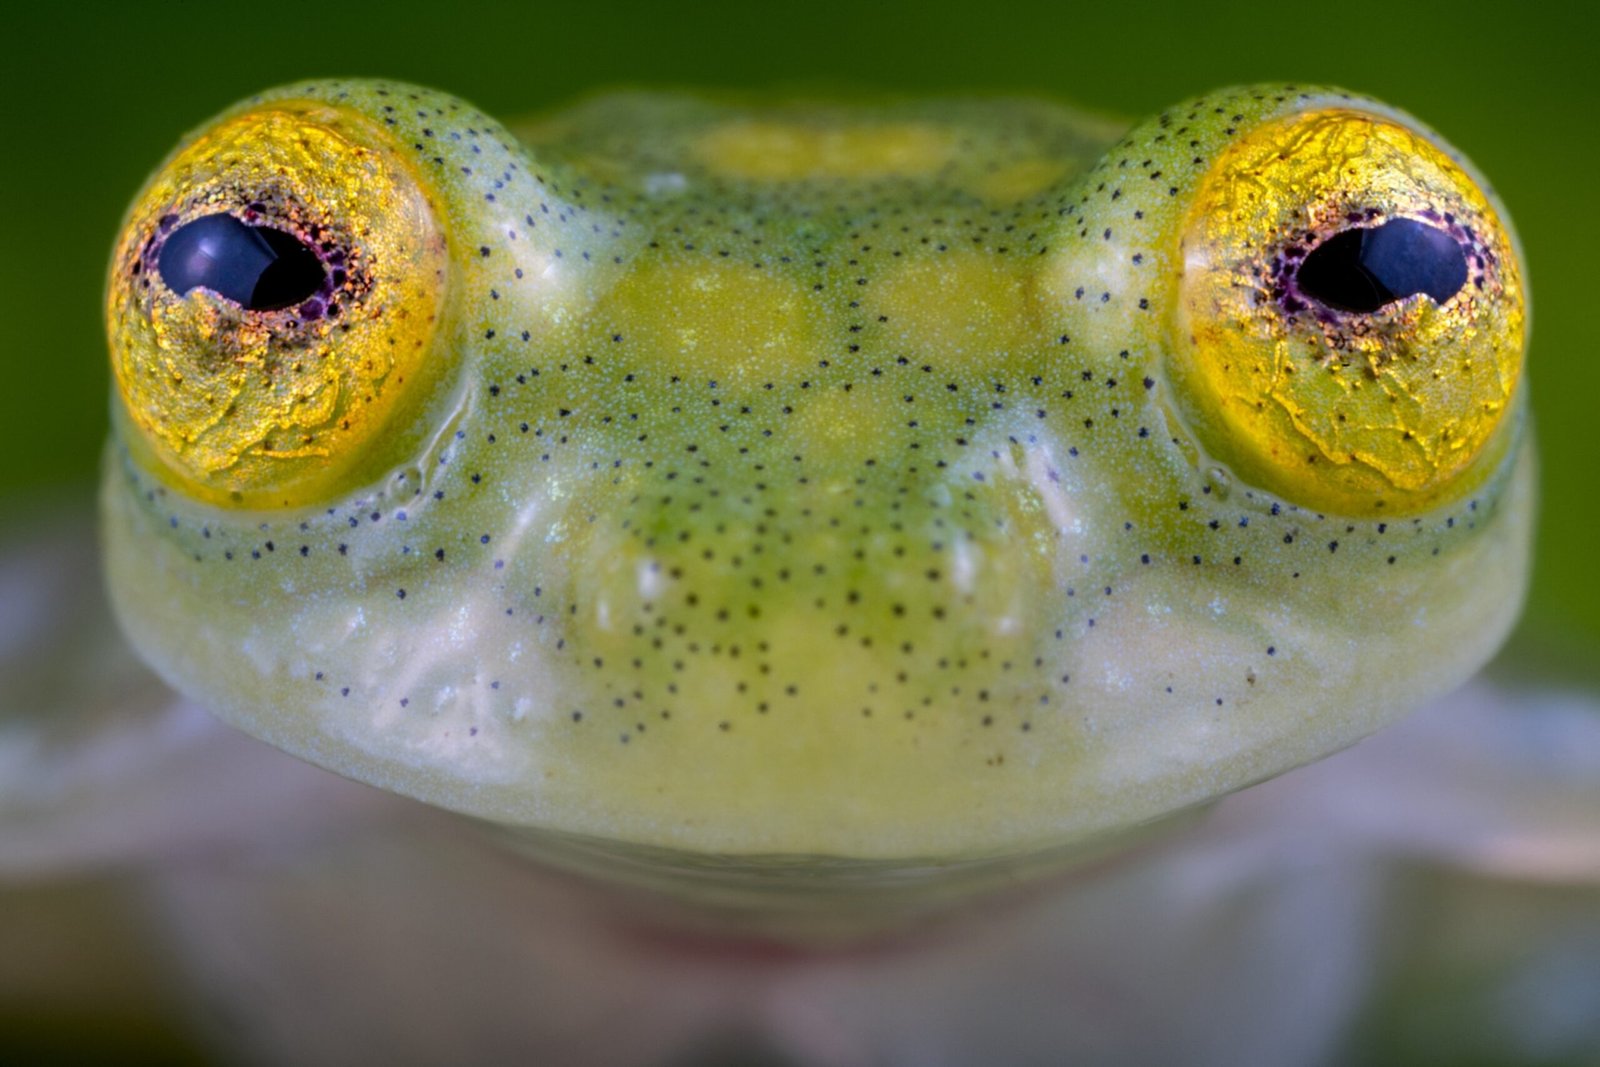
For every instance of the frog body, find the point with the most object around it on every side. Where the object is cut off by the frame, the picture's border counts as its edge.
(792, 485)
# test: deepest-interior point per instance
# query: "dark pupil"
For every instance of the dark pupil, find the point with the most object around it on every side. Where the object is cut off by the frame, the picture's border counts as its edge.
(1362, 270)
(257, 267)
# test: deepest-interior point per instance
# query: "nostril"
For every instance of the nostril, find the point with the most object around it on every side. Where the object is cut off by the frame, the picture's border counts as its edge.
(257, 267)
(1363, 269)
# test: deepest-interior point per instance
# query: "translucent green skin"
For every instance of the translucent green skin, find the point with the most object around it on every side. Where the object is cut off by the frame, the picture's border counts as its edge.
(843, 523)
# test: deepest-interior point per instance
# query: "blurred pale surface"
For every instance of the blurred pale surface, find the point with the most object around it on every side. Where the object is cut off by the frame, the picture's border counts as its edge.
(1430, 896)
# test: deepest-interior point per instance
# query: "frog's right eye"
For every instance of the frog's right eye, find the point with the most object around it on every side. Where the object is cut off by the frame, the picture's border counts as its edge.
(1350, 317)
(271, 305)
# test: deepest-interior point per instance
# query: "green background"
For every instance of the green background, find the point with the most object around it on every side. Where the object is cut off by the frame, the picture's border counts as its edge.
(95, 95)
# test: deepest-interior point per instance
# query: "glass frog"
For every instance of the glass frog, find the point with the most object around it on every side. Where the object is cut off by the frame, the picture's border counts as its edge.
(812, 511)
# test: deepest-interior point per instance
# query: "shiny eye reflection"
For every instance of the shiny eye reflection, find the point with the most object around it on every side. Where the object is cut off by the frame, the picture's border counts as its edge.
(1350, 324)
(271, 306)
(1364, 269)
(257, 267)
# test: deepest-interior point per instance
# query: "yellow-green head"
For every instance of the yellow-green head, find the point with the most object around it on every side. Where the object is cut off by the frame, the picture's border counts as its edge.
(802, 486)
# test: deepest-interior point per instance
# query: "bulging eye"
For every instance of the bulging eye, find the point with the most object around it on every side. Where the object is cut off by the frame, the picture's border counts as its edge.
(271, 303)
(1350, 321)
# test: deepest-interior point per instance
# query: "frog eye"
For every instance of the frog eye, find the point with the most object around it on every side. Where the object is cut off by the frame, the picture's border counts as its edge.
(1350, 321)
(270, 306)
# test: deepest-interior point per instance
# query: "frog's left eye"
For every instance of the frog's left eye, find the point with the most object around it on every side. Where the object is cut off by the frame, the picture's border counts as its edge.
(1350, 320)
(270, 307)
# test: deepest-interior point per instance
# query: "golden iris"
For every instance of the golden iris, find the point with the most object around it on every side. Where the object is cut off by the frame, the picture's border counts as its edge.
(275, 402)
(1347, 398)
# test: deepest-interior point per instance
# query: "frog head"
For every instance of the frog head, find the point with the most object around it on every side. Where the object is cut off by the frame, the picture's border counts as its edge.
(807, 492)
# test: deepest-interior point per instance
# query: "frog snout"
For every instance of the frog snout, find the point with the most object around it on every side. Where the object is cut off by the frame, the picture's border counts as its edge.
(887, 590)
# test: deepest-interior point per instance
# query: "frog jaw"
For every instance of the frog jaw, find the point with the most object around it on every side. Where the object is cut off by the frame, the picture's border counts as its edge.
(635, 589)
(493, 732)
